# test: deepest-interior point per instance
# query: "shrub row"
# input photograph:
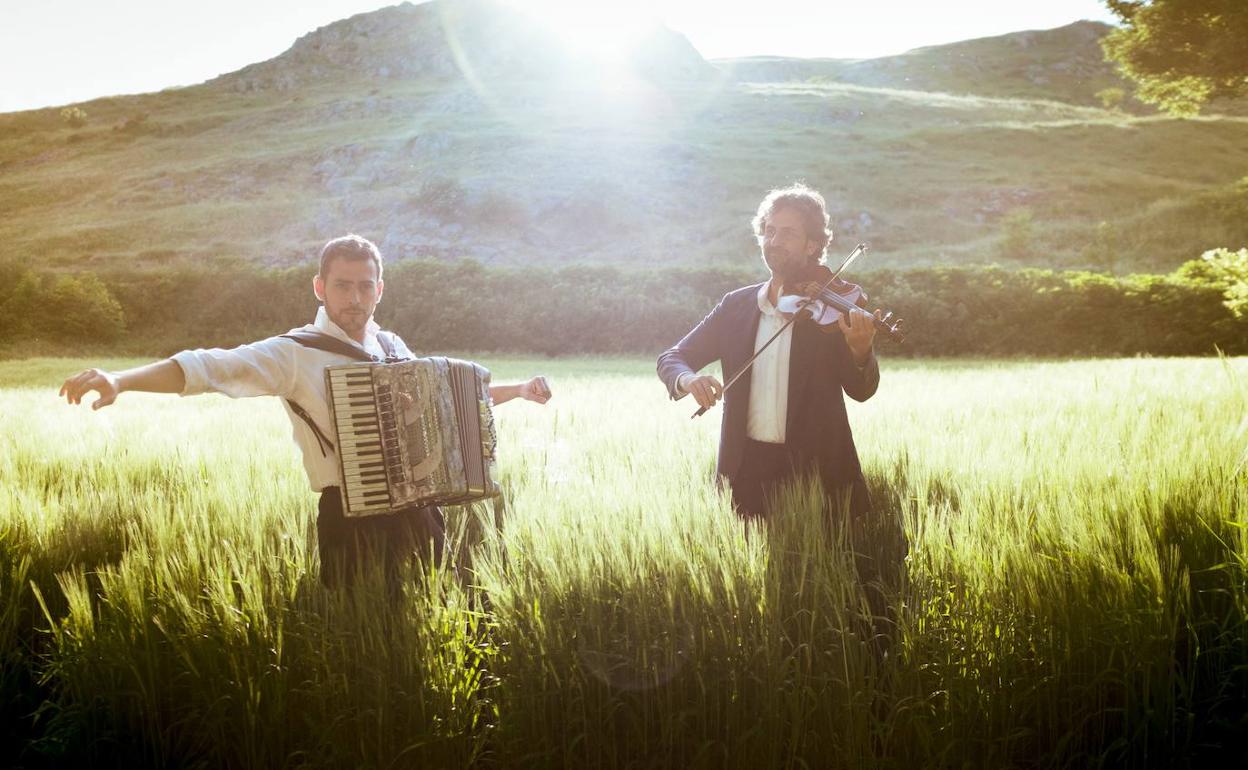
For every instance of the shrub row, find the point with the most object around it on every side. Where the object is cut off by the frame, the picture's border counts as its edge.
(962, 311)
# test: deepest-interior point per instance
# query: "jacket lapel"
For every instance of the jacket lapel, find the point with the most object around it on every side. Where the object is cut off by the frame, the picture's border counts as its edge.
(750, 315)
(746, 324)
(801, 364)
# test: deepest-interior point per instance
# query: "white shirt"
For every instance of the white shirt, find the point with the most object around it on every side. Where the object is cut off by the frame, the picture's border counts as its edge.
(284, 368)
(769, 384)
(769, 377)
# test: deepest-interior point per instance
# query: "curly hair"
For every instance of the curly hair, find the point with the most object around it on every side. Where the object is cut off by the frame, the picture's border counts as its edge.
(807, 202)
(350, 247)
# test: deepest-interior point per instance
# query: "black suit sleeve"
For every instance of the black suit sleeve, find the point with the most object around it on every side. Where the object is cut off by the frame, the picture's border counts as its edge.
(859, 383)
(698, 348)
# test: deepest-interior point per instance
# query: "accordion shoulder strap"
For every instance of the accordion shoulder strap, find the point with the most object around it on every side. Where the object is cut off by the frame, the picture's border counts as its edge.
(321, 439)
(330, 344)
(319, 341)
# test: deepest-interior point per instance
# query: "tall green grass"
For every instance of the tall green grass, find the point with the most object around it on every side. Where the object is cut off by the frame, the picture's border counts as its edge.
(1054, 575)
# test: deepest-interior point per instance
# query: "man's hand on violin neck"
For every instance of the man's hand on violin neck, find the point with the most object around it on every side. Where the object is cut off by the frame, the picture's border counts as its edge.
(704, 388)
(859, 330)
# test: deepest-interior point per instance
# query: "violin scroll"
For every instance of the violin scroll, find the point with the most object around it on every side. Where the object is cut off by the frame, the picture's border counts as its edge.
(891, 326)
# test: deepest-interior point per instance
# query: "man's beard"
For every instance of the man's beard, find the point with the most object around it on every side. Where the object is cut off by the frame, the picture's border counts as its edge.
(784, 265)
(351, 319)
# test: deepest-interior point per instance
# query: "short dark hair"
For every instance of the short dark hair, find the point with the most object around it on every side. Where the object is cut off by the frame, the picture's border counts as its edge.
(353, 247)
(806, 202)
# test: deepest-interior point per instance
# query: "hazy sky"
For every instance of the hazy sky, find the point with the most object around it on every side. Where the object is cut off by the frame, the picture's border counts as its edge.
(61, 51)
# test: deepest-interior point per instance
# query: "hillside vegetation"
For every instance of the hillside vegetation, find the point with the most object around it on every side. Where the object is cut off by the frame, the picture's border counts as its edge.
(368, 125)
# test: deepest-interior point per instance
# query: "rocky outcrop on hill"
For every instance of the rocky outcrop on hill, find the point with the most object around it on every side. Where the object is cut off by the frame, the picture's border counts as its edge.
(447, 40)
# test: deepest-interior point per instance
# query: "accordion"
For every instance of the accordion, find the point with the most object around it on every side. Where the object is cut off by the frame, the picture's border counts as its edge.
(412, 433)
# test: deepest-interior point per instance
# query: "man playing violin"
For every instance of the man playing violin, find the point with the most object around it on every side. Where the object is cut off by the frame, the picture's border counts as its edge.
(786, 415)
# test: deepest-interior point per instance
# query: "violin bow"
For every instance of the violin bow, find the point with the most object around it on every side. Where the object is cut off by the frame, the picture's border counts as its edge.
(859, 249)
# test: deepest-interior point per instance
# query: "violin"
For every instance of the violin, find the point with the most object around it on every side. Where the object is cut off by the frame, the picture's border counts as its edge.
(825, 297)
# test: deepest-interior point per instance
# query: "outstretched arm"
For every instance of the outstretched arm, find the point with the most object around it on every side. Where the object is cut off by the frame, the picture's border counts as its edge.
(264, 368)
(536, 389)
(157, 377)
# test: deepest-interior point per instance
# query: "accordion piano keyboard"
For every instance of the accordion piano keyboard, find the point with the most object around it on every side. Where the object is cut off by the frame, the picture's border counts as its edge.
(365, 425)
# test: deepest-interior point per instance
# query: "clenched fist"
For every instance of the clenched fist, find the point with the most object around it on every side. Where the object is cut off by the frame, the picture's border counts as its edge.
(536, 389)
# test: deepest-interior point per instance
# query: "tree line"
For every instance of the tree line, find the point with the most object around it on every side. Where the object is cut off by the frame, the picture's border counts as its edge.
(581, 309)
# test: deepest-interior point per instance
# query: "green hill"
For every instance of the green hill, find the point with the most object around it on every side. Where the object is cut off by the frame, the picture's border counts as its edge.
(1064, 64)
(370, 125)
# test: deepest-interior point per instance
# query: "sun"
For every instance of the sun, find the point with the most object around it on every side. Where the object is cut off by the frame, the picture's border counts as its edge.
(605, 31)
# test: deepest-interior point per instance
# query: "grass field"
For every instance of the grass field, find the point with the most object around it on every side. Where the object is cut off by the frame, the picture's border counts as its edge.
(1072, 590)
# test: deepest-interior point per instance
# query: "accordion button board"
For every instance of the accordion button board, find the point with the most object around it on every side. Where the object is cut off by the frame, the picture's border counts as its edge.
(412, 433)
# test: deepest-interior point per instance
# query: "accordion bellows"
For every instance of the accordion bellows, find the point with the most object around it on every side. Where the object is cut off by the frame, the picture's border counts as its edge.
(412, 433)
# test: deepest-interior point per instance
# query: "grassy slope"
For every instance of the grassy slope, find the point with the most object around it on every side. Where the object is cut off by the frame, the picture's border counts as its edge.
(546, 173)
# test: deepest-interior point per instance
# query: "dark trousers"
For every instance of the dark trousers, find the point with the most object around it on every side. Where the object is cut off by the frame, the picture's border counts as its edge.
(764, 467)
(348, 546)
(878, 542)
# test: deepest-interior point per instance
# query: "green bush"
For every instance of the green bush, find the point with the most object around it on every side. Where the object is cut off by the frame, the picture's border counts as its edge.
(582, 309)
(1226, 270)
(1111, 98)
(74, 117)
(43, 307)
(1017, 235)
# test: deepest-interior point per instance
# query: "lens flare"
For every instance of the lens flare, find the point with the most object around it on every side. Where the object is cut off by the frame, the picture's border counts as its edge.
(602, 31)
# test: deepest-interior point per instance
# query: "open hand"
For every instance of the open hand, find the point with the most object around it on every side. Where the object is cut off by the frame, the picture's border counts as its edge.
(102, 382)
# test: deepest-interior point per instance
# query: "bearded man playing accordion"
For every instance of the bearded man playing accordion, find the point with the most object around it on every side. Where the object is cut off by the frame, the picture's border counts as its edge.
(349, 285)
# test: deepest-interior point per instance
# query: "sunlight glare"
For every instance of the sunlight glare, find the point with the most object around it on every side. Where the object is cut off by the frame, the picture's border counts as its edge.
(605, 31)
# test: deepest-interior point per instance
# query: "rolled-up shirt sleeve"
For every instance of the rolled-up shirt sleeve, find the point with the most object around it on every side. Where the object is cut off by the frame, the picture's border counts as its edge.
(264, 368)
